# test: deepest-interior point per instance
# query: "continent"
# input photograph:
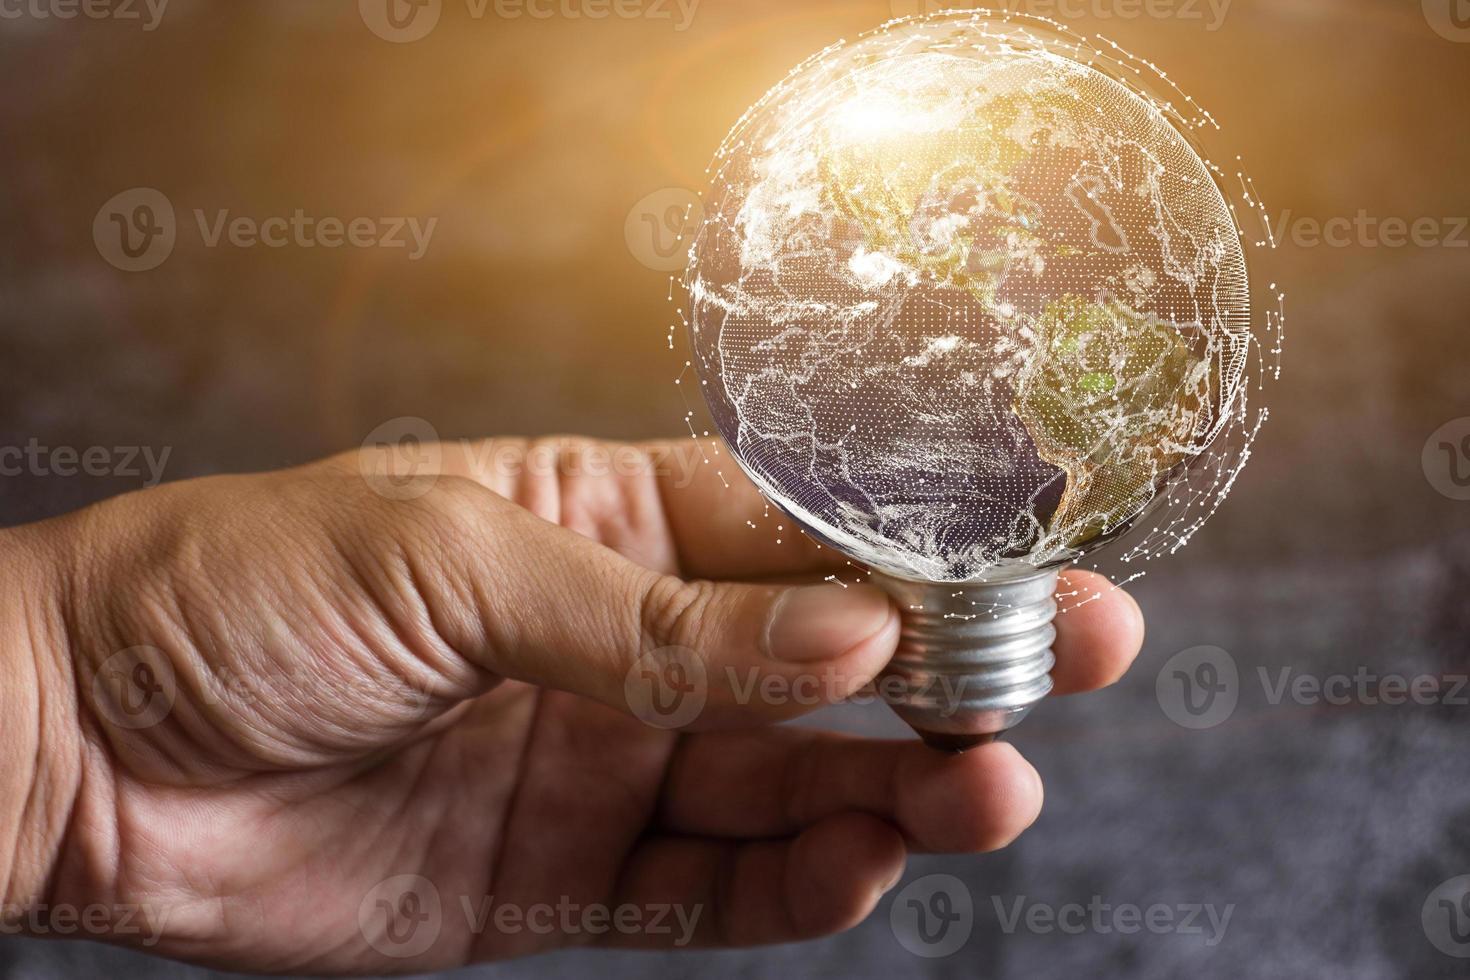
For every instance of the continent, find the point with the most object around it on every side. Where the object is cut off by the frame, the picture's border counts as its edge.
(957, 312)
(1115, 399)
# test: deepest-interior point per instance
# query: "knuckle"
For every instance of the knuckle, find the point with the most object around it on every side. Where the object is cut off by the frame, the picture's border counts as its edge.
(453, 501)
(802, 771)
(436, 523)
(539, 476)
(496, 462)
(673, 611)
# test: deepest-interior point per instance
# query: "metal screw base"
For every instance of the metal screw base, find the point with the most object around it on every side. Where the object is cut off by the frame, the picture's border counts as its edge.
(974, 657)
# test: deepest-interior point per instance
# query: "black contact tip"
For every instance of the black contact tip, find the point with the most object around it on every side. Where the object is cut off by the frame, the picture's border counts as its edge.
(955, 743)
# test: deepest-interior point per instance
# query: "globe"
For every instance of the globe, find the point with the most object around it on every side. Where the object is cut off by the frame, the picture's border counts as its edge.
(963, 301)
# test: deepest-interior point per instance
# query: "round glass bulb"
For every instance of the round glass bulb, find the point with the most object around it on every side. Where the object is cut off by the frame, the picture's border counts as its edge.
(964, 305)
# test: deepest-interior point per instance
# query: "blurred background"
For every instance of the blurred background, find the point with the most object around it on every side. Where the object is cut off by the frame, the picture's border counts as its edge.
(551, 149)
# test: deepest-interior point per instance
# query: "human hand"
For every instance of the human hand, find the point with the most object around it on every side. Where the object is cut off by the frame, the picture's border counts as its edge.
(349, 701)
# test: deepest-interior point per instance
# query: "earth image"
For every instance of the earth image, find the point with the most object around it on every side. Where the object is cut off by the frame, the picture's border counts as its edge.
(961, 302)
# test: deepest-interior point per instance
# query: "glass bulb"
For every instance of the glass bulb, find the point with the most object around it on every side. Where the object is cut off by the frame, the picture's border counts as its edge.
(968, 307)
(963, 302)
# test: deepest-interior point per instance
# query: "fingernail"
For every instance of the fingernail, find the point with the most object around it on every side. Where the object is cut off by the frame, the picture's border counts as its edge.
(823, 622)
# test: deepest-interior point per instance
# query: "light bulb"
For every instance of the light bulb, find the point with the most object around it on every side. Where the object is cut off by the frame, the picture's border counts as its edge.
(967, 307)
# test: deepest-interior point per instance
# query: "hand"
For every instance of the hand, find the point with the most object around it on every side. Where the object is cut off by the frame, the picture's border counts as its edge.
(256, 703)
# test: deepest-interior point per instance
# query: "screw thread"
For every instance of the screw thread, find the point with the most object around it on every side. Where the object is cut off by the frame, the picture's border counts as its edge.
(974, 657)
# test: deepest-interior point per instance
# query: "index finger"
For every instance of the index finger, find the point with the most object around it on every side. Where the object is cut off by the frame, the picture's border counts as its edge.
(631, 497)
(721, 524)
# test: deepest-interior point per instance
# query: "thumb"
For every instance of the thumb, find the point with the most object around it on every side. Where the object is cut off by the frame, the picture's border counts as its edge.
(531, 601)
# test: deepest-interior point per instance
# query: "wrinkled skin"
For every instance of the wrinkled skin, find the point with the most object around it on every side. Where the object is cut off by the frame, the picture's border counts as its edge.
(359, 687)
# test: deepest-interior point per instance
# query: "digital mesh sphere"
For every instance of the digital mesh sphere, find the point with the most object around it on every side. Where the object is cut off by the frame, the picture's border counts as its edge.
(960, 301)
